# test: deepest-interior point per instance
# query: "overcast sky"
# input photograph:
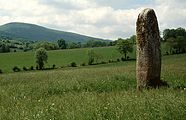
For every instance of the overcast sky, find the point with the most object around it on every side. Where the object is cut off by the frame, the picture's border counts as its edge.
(110, 19)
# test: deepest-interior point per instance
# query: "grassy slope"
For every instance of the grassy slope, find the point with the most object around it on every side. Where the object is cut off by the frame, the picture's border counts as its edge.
(59, 58)
(98, 92)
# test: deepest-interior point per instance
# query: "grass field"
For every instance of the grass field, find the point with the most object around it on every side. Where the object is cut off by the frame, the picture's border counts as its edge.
(103, 92)
(59, 57)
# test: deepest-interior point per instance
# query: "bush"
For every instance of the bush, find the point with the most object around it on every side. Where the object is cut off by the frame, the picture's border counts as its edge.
(123, 59)
(24, 50)
(103, 62)
(83, 64)
(118, 60)
(110, 61)
(167, 53)
(1, 71)
(73, 64)
(24, 68)
(62, 66)
(37, 68)
(4, 48)
(31, 68)
(53, 66)
(16, 69)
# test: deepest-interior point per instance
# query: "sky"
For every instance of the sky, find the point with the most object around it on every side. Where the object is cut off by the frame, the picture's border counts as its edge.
(108, 19)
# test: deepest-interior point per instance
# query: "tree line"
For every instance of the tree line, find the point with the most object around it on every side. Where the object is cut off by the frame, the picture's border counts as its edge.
(16, 45)
(175, 40)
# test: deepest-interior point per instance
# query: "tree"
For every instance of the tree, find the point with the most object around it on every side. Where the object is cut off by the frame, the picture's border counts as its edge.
(91, 55)
(96, 43)
(41, 58)
(124, 47)
(180, 32)
(180, 44)
(72, 45)
(46, 45)
(4, 48)
(166, 34)
(170, 43)
(62, 44)
(133, 39)
(175, 40)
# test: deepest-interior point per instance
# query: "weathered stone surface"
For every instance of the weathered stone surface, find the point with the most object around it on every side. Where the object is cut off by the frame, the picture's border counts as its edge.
(148, 66)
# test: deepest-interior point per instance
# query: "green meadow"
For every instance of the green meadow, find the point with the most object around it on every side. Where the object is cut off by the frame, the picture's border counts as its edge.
(60, 58)
(98, 92)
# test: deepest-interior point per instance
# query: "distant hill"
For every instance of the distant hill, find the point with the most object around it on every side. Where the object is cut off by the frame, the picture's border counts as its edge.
(31, 32)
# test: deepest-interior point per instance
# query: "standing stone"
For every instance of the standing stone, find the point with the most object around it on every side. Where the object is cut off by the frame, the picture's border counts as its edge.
(148, 66)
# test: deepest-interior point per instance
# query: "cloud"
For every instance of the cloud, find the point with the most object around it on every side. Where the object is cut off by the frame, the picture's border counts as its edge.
(171, 13)
(124, 4)
(69, 4)
(98, 18)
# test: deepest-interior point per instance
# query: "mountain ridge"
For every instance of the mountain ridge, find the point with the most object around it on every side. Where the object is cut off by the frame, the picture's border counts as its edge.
(33, 32)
